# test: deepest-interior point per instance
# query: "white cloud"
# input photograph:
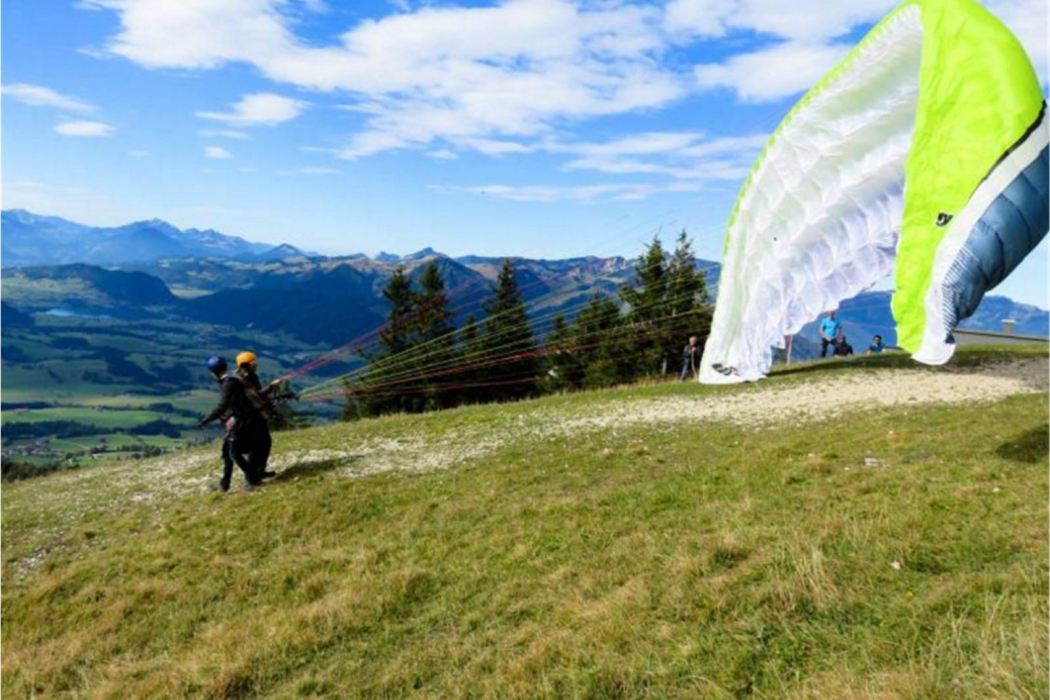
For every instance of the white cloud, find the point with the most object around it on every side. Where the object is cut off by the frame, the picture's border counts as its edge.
(682, 155)
(139, 154)
(704, 18)
(442, 154)
(223, 133)
(217, 153)
(691, 160)
(39, 96)
(258, 108)
(773, 73)
(801, 20)
(509, 71)
(84, 128)
(494, 147)
(577, 193)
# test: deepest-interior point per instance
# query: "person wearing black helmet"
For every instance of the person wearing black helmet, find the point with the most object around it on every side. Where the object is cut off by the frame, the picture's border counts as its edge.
(243, 420)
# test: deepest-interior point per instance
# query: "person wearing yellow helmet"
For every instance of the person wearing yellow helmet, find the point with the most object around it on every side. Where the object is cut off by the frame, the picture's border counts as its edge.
(260, 397)
(246, 358)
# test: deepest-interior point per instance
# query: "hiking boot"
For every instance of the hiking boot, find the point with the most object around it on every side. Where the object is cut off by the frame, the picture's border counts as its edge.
(268, 475)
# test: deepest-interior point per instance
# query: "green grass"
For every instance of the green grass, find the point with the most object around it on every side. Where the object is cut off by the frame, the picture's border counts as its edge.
(684, 560)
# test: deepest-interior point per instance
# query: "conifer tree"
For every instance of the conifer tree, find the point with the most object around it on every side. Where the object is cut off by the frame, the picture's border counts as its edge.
(469, 347)
(647, 303)
(605, 356)
(668, 305)
(687, 297)
(507, 342)
(566, 367)
(435, 335)
(374, 395)
(396, 335)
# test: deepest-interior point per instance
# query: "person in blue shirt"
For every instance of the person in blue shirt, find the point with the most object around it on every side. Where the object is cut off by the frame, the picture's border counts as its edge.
(876, 346)
(829, 331)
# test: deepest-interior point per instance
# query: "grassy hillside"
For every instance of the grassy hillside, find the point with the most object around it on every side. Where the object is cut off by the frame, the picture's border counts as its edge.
(851, 529)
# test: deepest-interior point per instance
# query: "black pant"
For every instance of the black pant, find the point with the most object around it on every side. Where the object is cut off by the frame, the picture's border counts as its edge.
(259, 453)
(252, 439)
(824, 343)
(230, 456)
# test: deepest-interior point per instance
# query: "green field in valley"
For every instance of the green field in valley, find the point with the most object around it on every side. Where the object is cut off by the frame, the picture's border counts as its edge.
(98, 387)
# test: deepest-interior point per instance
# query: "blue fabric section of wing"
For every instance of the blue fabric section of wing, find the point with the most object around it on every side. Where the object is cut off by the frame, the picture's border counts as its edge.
(1014, 223)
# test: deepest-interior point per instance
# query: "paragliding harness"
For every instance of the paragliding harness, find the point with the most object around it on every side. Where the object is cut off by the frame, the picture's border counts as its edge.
(267, 400)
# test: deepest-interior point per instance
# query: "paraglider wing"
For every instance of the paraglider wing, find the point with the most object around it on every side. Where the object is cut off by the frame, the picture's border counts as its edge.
(922, 154)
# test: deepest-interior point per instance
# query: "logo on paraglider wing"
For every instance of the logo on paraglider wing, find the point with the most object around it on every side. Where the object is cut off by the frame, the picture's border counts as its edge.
(943, 219)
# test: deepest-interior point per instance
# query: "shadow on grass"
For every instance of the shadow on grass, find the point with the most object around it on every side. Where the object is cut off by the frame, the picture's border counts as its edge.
(1031, 446)
(309, 468)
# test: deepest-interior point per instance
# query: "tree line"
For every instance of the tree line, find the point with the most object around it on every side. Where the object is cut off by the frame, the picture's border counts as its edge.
(423, 362)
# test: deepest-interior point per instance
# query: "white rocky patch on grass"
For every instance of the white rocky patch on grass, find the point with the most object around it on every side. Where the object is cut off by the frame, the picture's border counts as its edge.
(761, 405)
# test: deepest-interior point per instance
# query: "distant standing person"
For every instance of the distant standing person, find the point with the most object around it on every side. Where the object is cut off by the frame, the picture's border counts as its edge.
(829, 331)
(690, 358)
(876, 346)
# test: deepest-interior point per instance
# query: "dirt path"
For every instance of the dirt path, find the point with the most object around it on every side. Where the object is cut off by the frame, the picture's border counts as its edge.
(757, 406)
(764, 404)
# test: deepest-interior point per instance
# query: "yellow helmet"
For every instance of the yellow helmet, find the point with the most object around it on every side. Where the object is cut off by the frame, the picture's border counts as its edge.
(246, 358)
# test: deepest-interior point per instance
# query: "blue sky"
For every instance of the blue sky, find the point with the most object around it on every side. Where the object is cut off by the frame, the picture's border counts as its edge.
(543, 128)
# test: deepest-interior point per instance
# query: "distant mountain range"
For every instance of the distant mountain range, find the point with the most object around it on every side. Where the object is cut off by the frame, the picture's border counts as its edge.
(32, 239)
(156, 270)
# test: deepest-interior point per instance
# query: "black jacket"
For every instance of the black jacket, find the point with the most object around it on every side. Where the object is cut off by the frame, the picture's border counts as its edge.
(234, 402)
(260, 396)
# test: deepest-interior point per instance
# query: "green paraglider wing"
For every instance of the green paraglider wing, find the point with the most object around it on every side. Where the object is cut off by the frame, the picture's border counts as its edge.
(922, 154)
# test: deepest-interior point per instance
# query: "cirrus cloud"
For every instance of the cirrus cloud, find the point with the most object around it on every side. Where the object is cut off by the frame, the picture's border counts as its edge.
(84, 128)
(217, 153)
(259, 108)
(40, 96)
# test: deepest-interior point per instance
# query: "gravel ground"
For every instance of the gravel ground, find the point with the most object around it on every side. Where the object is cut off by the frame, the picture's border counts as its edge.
(760, 405)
